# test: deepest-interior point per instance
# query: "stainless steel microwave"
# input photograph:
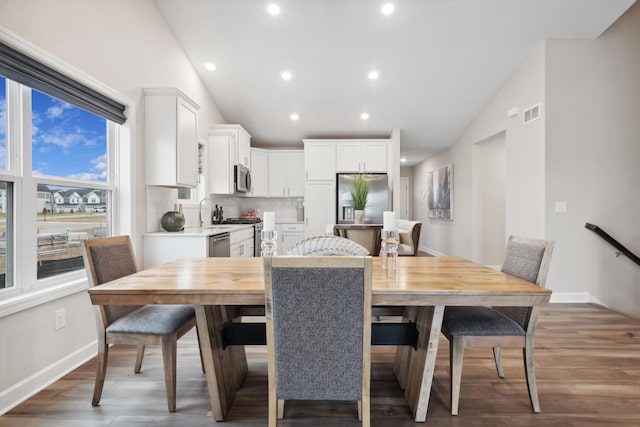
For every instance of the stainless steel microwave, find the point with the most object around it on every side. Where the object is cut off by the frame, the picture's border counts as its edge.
(242, 179)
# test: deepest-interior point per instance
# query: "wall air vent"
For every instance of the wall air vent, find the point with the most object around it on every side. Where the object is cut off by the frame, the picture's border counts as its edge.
(531, 114)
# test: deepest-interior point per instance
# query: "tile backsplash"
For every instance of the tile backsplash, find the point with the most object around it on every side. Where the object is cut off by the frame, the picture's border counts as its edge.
(161, 200)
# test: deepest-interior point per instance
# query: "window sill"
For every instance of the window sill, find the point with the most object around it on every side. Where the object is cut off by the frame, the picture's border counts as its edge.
(32, 299)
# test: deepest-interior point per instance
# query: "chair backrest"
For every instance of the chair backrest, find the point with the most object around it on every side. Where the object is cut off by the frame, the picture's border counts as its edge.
(412, 230)
(368, 236)
(318, 313)
(108, 259)
(327, 245)
(529, 260)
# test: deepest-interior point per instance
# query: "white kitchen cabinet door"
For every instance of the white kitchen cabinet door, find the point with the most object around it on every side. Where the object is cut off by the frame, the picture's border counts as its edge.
(171, 139)
(359, 156)
(242, 243)
(220, 159)
(286, 173)
(319, 207)
(278, 174)
(348, 157)
(295, 174)
(259, 173)
(320, 161)
(244, 148)
(288, 235)
(374, 157)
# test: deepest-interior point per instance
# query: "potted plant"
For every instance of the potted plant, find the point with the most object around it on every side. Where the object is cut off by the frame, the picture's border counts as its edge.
(359, 196)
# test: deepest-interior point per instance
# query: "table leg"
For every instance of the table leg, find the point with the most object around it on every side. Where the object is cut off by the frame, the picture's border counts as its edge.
(423, 361)
(221, 365)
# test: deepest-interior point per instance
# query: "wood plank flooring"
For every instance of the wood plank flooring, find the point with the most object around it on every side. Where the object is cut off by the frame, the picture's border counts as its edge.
(587, 362)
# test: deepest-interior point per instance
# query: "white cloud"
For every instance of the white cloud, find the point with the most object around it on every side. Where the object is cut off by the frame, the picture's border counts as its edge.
(100, 163)
(98, 170)
(57, 110)
(59, 137)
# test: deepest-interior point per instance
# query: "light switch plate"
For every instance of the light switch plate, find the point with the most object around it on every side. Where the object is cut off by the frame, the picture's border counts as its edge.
(561, 207)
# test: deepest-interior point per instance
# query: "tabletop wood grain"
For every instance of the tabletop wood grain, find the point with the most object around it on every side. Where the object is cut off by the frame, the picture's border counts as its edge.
(239, 281)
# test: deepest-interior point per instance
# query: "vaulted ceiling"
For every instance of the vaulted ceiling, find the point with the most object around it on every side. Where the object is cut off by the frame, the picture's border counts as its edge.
(439, 62)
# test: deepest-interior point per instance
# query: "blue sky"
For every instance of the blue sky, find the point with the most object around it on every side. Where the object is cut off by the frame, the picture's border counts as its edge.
(66, 140)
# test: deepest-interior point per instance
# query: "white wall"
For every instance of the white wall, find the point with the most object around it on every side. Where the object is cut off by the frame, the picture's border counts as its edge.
(489, 170)
(126, 45)
(524, 152)
(592, 160)
(584, 150)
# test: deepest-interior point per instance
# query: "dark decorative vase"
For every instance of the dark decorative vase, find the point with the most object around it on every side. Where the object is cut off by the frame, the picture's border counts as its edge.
(172, 221)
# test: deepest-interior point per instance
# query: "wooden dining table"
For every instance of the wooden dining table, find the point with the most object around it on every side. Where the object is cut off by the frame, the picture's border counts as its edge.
(419, 289)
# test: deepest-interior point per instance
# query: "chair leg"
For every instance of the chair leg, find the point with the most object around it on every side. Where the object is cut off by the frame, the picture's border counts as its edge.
(101, 371)
(456, 353)
(359, 410)
(139, 358)
(273, 408)
(530, 372)
(280, 409)
(169, 347)
(498, 358)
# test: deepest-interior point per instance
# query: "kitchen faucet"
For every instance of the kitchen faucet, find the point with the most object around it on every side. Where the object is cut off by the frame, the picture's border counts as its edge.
(200, 210)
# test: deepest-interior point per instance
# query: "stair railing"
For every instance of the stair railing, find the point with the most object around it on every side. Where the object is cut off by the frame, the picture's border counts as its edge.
(613, 242)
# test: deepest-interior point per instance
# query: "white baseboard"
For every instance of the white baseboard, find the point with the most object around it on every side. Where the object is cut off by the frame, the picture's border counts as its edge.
(431, 251)
(26, 388)
(575, 297)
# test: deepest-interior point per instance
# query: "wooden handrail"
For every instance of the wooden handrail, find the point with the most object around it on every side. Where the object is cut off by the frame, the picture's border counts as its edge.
(613, 242)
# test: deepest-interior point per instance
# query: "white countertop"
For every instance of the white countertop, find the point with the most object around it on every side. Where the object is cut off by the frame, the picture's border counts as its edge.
(207, 230)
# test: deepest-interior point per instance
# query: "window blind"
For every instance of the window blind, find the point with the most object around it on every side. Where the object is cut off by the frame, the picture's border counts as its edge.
(23, 69)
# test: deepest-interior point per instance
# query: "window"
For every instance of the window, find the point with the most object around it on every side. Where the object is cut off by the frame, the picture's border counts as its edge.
(193, 195)
(57, 190)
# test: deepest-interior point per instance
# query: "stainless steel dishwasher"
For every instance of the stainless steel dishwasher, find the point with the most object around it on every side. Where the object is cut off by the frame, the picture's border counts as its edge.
(220, 245)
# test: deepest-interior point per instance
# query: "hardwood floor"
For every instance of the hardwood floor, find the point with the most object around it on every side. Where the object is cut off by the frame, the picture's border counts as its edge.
(587, 362)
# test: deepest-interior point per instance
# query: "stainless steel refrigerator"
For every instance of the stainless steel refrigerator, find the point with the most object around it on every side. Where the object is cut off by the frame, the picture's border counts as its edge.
(377, 202)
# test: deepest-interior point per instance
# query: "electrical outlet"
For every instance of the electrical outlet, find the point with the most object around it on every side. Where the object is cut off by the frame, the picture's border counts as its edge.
(60, 319)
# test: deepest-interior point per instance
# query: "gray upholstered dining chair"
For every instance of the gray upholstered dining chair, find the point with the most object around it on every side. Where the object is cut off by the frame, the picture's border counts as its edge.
(328, 245)
(318, 312)
(498, 327)
(111, 258)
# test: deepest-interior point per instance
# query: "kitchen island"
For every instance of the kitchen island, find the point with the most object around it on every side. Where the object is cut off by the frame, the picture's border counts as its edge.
(197, 242)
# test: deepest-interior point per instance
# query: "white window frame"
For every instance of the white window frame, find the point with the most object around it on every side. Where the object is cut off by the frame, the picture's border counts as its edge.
(26, 291)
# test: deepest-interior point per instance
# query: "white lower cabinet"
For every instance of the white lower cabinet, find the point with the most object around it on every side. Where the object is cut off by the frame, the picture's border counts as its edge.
(242, 243)
(288, 235)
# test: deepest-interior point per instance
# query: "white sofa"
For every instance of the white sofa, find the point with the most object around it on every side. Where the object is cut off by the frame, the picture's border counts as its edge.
(409, 232)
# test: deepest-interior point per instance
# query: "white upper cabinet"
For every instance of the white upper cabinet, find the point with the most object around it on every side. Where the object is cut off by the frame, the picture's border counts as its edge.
(286, 173)
(319, 160)
(171, 138)
(361, 156)
(224, 153)
(259, 173)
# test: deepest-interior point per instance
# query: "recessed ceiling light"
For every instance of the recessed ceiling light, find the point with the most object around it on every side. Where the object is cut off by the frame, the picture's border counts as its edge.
(364, 116)
(273, 9)
(373, 75)
(388, 9)
(403, 159)
(286, 75)
(210, 66)
(294, 116)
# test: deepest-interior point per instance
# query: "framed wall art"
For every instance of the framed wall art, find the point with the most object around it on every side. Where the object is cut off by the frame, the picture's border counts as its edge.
(440, 193)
